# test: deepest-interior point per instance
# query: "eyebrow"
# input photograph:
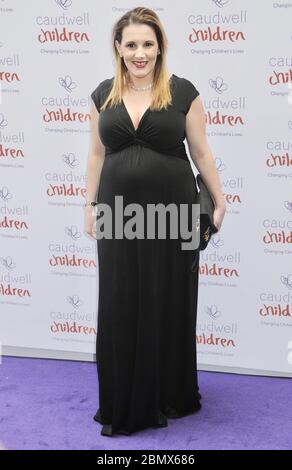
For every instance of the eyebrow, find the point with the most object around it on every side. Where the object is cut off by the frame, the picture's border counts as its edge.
(147, 40)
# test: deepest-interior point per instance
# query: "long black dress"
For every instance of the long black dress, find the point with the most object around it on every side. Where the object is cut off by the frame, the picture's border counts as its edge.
(147, 306)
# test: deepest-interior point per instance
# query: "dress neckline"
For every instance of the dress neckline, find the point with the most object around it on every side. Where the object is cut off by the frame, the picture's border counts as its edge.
(143, 115)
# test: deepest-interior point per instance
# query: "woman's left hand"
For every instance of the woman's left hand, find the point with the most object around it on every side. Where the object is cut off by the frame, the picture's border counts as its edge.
(218, 216)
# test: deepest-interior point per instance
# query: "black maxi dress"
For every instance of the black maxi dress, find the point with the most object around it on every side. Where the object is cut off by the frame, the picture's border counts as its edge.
(147, 303)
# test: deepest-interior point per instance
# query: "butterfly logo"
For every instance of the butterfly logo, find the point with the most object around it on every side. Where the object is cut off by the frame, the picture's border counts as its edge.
(70, 160)
(73, 232)
(287, 281)
(3, 122)
(220, 166)
(5, 194)
(67, 83)
(7, 262)
(220, 3)
(213, 312)
(218, 85)
(216, 241)
(288, 205)
(65, 4)
(74, 300)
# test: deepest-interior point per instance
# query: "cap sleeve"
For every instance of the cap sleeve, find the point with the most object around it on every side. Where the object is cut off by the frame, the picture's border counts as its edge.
(190, 94)
(98, 94)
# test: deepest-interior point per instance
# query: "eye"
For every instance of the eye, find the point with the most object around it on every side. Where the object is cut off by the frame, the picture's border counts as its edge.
(148, 44)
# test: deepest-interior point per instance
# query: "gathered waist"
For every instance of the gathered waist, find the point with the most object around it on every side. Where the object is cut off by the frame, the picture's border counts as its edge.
(178, 152)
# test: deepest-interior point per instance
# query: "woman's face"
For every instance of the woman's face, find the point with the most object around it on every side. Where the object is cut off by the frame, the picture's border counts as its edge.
(139, 44)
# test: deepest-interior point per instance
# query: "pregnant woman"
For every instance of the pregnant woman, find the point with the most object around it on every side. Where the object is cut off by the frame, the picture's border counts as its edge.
(147, 305)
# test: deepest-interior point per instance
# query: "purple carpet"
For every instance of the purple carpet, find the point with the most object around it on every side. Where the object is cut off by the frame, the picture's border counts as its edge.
(49, 404)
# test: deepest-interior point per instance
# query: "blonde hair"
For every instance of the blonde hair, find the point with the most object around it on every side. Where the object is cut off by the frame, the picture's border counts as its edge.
(161, 83)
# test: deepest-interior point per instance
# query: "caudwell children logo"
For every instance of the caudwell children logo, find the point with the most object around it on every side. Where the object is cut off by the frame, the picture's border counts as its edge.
(8, 63)
(280, 71)
(232, 187)
(63, 108)
(63, 27)
(276, 306)
(279, 231)
(72, 320)
(8, 148)
(72, 253)
(13, 285)
(279, 155)
(223, 110)
(221, 27)
(11, 216)
(214, 331)
(66, 184)
(217, 265)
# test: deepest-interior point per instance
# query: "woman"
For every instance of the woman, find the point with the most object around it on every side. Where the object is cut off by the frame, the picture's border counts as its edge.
(146, 337)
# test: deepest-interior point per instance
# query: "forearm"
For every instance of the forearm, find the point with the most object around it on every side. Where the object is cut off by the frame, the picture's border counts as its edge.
(94, 167)
(206, 166)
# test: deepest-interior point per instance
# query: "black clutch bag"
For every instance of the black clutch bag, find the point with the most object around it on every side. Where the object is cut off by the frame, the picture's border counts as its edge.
(206, 226)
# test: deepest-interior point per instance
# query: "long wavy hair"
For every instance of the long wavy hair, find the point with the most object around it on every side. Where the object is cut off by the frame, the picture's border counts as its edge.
(161, 93)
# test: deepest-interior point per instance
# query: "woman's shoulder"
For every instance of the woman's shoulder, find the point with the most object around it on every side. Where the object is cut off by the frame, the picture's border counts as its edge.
(187, 91)
(103, 84)
(99, 93)
(185, 82)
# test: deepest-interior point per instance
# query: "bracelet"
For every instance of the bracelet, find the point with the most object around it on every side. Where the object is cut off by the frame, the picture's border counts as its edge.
(90, 203)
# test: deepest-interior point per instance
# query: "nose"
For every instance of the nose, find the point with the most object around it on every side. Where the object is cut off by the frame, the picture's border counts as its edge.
(140, 54)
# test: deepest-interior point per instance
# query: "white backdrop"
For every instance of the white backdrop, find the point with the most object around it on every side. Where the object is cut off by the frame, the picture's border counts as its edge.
(53, 53)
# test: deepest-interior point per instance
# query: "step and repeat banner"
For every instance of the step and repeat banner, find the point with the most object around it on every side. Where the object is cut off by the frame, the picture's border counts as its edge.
(53, 53)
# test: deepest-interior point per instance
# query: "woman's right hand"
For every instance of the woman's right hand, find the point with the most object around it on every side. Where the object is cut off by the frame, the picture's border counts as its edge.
(90, 221)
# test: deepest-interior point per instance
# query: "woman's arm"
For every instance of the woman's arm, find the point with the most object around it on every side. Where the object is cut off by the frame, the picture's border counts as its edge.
(96, 156)
(200, 151)
(202, 157)
(95, 162)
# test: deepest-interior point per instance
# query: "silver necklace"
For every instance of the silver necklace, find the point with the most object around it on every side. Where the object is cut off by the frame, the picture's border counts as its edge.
(142, 88)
